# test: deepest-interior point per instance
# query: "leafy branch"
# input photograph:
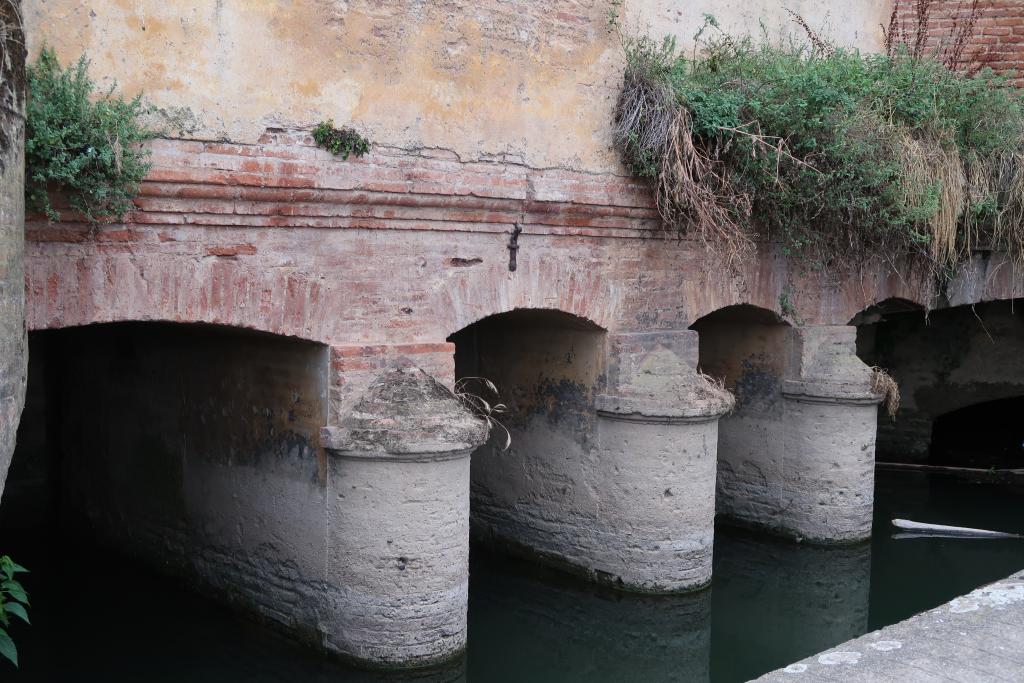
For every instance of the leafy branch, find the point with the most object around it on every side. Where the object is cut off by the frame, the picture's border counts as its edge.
(344, 141)
(82, 142)
(13, 603)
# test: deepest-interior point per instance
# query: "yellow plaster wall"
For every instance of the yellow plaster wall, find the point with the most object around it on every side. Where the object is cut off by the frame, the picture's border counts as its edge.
(531, 81)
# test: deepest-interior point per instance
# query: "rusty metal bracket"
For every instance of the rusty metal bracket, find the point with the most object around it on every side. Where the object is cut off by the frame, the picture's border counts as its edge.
(513, 247)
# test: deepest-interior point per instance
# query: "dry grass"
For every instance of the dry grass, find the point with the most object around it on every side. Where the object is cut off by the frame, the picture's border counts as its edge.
(929, 163)
(1008, 229)
(695, 194)
(480, 406)
(885, 386)
(712, 389)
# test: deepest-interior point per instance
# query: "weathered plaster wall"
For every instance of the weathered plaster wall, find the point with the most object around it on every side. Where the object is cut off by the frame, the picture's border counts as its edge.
(197, 450)
(954, 358)
(13, 338)
(528, 81)
(31, 497)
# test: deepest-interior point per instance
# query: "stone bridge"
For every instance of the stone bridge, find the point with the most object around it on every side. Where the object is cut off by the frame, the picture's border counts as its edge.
(255, 392)
(247, 381)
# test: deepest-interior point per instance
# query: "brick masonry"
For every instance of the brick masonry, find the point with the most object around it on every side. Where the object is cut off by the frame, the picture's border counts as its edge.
(997, 41)
(390, 254)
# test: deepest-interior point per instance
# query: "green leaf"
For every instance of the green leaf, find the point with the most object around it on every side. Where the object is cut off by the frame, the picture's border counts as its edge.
(7, 648)
(15, 590)
(18, 611)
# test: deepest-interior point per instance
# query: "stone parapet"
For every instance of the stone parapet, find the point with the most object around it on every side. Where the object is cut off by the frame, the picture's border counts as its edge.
(976, 637)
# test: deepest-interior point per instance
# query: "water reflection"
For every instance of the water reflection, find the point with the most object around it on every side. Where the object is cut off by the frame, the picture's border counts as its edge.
(100, 617)
(530, 625)
(778, 602)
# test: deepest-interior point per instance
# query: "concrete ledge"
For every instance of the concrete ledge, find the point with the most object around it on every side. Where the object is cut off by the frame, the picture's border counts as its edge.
(976, 637)
(829, 392)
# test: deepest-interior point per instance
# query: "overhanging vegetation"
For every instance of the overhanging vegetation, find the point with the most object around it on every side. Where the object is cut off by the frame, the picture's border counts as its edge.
(844, 158)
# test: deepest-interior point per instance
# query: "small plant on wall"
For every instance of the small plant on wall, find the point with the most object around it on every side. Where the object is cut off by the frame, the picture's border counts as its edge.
(13, 603)
(340, 141)
(80, 142)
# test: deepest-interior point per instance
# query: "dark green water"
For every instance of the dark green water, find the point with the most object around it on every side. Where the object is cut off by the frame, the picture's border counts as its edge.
(100, 618)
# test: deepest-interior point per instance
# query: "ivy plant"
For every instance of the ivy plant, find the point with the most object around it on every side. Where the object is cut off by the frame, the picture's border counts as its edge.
(81, 142)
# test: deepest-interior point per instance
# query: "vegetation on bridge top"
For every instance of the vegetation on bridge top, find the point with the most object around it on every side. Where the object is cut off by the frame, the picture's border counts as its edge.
(843, 157)
(84, 142)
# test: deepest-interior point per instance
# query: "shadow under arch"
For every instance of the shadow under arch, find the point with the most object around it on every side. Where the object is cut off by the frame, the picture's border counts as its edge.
(880, 310)
(192, 447)
(984, 435)
(548, 367)
(240, 327)
(943, 361)
(747, 347)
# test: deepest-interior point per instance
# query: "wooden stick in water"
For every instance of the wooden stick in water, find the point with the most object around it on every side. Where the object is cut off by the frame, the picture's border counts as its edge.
(933, 530)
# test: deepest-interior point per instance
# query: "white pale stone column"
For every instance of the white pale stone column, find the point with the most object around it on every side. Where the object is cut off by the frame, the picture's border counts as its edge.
(398, 523)
(656, 463)
(830, 417)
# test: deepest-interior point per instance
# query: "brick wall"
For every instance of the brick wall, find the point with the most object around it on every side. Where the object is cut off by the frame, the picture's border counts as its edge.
(997, 41)
(390, 254)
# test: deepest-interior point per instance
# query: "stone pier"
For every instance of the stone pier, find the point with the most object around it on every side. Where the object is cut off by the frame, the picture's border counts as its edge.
(657, 444)
(797, 456)
(398, 520)
(611, 469)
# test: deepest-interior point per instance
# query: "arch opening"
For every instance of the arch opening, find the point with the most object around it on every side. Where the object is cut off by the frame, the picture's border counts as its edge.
(191, 448)
(960, 376)
(746, 347)
(548, 367)
(985, 435)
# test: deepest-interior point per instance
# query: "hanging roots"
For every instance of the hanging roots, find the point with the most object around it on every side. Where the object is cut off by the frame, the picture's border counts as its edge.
(693, 191)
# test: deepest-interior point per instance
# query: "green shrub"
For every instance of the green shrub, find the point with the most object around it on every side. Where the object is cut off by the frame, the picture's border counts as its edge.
(344, 141)
(80, 142)
(13, 602)
(843, 157)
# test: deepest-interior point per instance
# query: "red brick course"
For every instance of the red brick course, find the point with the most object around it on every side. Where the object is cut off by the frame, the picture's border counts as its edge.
(316, 250)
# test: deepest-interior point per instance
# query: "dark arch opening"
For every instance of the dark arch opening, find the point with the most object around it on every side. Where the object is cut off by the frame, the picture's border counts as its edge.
(548, 367)
(944, 361)
(747, 348)
(744, 346)
(985, 435)
(879, 311)
(191, 449)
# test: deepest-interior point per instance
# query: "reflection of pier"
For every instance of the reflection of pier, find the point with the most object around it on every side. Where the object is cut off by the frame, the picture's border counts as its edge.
(803, 599)
(557, 629)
